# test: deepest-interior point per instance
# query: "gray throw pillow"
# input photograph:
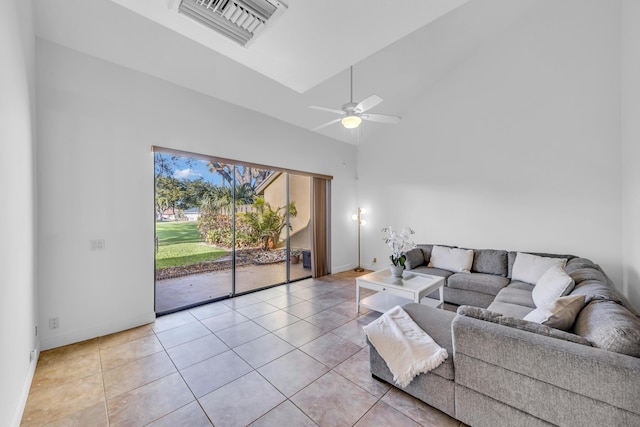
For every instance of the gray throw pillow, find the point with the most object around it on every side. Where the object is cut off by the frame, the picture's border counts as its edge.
(490, 261)
(512, 322)
(415, 258)
(426, 252)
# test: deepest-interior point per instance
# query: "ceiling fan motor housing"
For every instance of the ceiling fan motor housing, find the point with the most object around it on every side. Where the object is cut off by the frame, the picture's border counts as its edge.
(350, 108)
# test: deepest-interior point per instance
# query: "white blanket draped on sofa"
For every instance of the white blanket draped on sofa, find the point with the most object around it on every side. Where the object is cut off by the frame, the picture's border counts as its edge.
(407, 349)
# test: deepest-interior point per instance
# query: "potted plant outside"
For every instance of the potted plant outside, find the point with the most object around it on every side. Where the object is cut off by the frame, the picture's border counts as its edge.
(294, 256)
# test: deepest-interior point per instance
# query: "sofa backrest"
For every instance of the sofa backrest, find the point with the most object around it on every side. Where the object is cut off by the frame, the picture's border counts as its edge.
(610, 326)
(494, 261)
(490, 261)
(608, 320)
(426, 252)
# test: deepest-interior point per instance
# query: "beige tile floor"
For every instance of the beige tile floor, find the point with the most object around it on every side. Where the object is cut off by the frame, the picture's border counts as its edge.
(294, 355)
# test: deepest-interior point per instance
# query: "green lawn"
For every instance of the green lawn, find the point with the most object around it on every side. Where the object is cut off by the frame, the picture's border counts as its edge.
(171, 232)
(179, 243)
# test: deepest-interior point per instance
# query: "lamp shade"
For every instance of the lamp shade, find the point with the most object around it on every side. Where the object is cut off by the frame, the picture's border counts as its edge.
(351, 121)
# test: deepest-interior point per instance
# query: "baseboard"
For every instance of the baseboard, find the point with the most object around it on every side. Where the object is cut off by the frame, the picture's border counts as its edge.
(348, 267)
(24, 395)
(342, 268)
(78, 335)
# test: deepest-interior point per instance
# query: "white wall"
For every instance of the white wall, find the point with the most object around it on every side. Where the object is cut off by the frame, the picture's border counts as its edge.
(97, 123)
(517, 148)
(17, 251)
(631, 148)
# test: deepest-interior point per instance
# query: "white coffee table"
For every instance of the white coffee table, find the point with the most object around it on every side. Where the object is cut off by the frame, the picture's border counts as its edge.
(392, 291)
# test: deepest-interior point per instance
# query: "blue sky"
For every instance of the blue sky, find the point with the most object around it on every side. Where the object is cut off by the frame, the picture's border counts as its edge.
(193, 170)
(190, 169)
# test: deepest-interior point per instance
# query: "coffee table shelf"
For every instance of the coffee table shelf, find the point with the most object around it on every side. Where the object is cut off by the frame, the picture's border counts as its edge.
(383, 301)
(391, 291)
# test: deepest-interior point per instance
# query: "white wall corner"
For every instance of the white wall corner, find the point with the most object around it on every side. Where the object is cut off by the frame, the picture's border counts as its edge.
(24, 394)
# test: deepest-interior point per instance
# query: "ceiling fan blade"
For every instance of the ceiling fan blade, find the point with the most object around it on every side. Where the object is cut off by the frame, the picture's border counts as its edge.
(330, 110)
(327, 124)
(381, 118)
(368, 103)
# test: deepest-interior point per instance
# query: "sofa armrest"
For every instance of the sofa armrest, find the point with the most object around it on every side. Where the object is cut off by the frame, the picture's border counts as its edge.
(601, 375)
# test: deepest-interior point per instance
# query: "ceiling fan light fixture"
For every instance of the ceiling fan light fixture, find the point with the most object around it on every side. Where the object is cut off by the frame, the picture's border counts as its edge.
(352, 112)
(351, 121)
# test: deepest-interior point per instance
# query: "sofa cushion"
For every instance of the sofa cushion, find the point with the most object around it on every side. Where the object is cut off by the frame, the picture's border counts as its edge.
(436, 323)
(453, 259)
(509, 309)
(559, 314)
(581, 274)
(515, 284)
(578, 263)
(511, 258)
(426, 252)
(529, 268)
(512, 322)
(432, 271)
(415, 258)
(514, 295)
(478, 282)
(609, 326)
(553, 284)
(490, 261)
(596, 290)
(464, 297)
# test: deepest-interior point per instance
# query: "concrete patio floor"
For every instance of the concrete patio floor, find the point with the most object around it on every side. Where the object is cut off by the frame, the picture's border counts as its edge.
(172, 294)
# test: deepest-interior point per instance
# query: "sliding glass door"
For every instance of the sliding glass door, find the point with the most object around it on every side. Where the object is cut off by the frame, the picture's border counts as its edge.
(226, 228)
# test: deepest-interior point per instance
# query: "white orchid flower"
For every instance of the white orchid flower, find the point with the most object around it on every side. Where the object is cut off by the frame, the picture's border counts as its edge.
(399, 242)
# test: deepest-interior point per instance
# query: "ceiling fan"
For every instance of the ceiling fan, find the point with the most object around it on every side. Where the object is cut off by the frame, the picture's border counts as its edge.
(354, 113)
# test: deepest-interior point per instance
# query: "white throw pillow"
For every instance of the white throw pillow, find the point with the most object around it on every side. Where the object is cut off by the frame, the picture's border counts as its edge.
(553, 284)
(452, 259)
(560, 314)
(529, 268)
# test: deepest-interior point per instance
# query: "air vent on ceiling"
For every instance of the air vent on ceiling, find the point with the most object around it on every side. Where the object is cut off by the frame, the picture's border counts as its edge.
(239, 20)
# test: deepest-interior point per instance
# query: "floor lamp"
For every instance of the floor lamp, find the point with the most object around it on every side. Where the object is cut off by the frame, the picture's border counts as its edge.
(358, 217)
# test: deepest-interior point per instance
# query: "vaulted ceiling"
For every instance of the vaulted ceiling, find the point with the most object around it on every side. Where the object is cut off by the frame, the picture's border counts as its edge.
(399, 49)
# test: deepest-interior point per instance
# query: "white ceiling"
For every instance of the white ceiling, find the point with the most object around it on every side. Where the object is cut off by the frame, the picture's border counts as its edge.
(302, 60)
(312, 40)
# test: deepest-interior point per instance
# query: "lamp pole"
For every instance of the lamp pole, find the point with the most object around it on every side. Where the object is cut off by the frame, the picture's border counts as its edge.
(358, 217)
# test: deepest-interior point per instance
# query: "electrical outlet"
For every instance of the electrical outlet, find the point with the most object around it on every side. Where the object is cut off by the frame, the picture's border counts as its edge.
(54, 323)
(375, 260)
(36, 331)
(97, 245)
(32, 355)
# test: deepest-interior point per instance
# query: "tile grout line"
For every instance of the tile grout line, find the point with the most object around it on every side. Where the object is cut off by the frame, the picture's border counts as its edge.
(183, 379)
(104, 387)
(337, 292)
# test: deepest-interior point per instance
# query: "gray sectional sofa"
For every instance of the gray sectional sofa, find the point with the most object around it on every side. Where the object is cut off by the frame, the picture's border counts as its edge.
(505, 371)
